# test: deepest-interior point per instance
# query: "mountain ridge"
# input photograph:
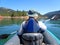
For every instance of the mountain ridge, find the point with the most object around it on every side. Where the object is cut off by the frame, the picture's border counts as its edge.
(55, 14)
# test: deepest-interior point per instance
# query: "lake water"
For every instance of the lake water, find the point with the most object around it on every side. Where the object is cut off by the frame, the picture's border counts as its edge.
(7, 26)
(54, 27)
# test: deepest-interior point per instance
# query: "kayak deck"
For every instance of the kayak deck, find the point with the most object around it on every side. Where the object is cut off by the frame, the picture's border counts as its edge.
(15, 41)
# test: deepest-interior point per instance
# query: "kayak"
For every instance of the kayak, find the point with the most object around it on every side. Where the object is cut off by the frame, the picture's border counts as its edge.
(49, 38)
(13, 41)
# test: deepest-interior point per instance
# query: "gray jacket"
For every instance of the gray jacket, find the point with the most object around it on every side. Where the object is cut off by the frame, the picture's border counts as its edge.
(41, 25)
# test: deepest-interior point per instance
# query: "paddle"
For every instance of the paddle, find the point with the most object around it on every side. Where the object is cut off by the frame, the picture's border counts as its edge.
(4, 36)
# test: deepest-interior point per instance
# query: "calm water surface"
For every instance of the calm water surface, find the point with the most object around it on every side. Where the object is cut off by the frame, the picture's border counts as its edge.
(8, 26)
(54, 27)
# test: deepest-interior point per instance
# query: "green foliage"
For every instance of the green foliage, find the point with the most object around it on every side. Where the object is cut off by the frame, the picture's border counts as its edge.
(12, 13)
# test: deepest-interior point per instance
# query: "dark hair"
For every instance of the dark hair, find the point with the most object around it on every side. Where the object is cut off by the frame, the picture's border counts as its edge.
(30, 12)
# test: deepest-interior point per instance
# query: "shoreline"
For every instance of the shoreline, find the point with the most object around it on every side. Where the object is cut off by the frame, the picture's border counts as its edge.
(1, 17)
(16, 17)
(21, 17)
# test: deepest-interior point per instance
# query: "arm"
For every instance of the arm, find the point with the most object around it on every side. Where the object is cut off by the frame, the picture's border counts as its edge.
(42, 26)
(21, 29)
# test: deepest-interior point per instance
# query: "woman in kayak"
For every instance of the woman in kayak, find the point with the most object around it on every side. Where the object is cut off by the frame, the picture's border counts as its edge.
(31, 25)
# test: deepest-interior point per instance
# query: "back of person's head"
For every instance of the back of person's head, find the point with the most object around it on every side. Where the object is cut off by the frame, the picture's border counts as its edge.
(32, 13)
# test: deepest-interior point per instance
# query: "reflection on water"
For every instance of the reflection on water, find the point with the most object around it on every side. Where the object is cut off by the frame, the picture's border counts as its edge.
(10, 21)
(7, 26)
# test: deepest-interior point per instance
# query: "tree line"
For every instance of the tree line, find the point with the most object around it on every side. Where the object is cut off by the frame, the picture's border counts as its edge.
(12, 13)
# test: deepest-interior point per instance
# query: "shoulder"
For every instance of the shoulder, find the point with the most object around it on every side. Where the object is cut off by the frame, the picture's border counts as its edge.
(23, 22)
(42, 25)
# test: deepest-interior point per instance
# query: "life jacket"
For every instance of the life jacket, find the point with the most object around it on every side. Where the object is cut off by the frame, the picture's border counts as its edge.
(31, 25)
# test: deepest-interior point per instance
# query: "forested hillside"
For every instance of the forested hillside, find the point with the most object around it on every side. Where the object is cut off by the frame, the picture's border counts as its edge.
(12, 13)
(53, 15)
